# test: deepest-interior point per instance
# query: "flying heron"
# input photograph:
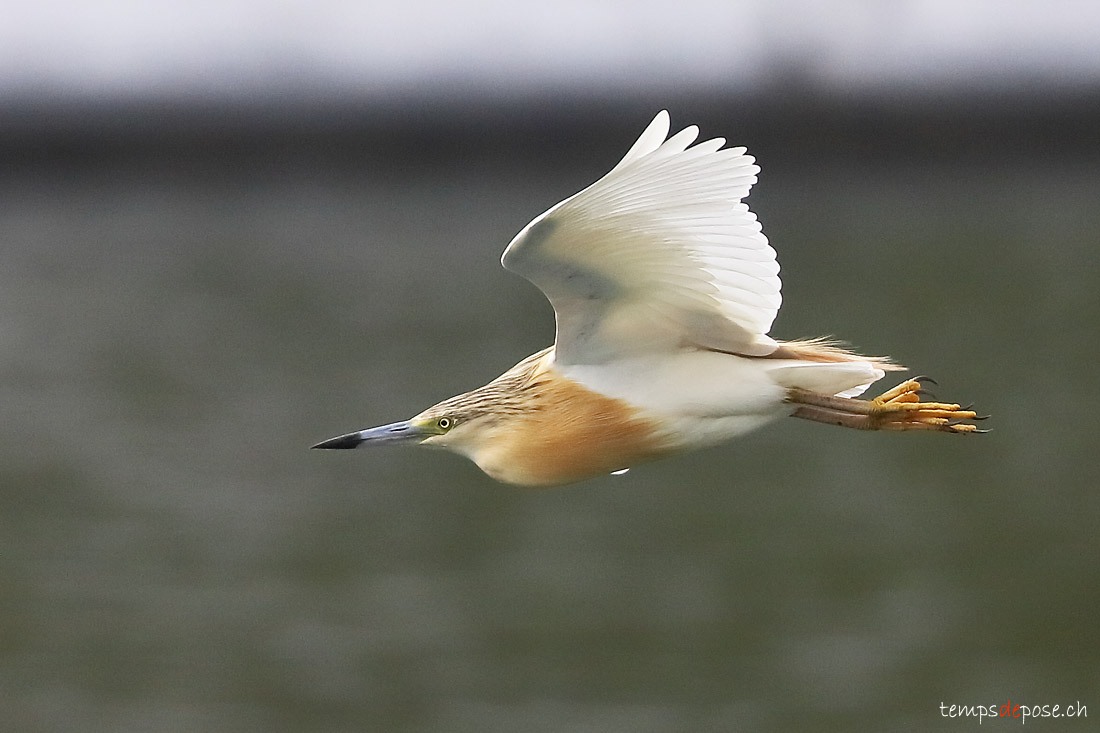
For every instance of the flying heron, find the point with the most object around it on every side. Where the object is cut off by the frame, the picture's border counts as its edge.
(664, 289)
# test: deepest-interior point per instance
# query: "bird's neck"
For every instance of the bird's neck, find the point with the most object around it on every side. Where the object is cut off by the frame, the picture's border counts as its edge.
(565, 432)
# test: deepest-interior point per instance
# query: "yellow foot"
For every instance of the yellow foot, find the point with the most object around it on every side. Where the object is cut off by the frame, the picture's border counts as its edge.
(901, 408)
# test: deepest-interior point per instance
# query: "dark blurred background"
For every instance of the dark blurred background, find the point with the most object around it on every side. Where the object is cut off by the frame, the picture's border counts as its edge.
(230, 231)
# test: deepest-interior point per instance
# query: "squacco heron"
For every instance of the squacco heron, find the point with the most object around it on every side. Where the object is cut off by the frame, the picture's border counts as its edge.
(664, 289)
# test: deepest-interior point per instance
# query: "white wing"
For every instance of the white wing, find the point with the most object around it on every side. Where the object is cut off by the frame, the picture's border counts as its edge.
(658, 255)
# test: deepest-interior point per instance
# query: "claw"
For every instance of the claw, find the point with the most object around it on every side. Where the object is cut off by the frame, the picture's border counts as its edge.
(963, 429)
(901, 408)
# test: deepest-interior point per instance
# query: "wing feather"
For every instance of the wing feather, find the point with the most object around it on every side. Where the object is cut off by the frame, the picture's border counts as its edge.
(658, 255)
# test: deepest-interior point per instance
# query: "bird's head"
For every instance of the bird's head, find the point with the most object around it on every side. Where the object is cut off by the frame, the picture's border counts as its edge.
(462, 424)
(482, 425)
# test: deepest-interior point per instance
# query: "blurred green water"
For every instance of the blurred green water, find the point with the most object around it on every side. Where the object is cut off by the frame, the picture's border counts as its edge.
(175, 559)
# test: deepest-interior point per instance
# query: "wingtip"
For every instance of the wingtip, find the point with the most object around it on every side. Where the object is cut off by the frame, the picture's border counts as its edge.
(654, 135)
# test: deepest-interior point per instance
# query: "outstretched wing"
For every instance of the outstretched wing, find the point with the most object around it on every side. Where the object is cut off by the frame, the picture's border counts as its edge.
(658, 255)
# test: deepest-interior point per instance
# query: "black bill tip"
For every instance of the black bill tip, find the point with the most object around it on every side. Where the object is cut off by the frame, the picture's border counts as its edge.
(351, 440)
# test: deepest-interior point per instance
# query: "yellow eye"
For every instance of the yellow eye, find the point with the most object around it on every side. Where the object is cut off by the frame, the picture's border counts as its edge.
(445, 423)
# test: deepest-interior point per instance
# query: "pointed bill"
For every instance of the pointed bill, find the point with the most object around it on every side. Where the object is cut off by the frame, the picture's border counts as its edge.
(398, 432)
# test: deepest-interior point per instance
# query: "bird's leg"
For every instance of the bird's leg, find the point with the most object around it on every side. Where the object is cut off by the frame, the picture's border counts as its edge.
(899, 408)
